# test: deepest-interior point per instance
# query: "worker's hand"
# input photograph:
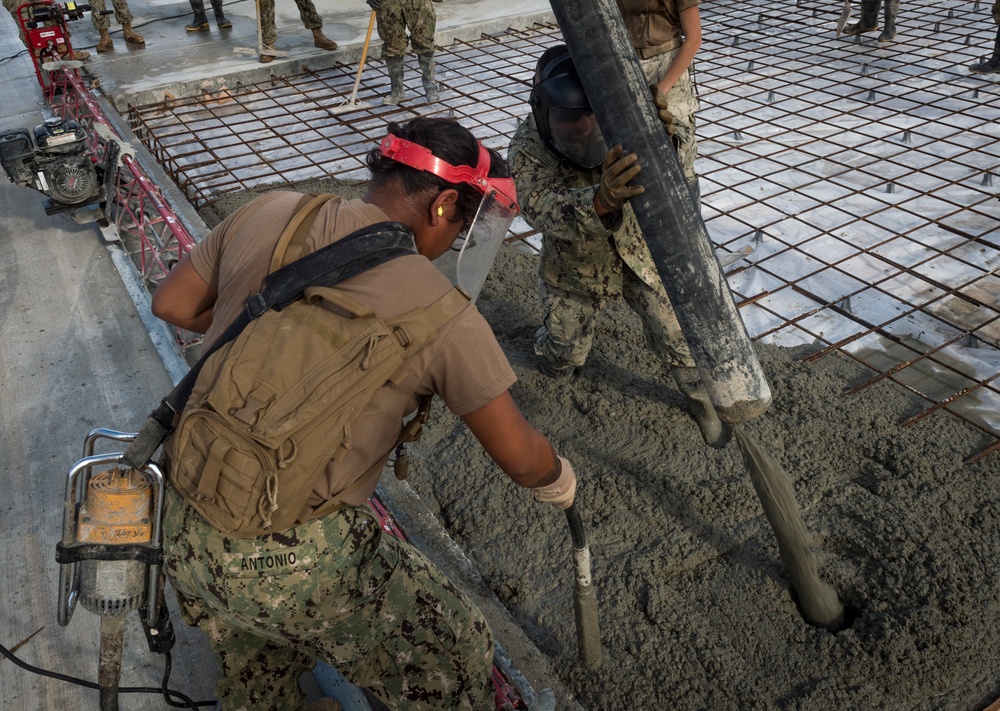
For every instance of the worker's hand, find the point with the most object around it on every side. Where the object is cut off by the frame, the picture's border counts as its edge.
(562, 491)
(616, 172)
(666, 117)
(375, 5)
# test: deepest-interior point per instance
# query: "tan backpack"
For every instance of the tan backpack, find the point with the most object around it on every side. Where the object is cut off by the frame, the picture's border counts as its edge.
(270, 409)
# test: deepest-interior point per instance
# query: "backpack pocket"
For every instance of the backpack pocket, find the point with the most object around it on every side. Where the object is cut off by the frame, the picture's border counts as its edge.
(221, 473)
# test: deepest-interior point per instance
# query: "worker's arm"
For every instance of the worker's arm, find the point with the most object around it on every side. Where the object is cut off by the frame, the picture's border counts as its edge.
(522, 451)
(184, 299)
(691, 31)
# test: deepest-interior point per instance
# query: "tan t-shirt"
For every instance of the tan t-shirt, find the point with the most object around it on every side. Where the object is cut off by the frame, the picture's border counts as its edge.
(464, 365)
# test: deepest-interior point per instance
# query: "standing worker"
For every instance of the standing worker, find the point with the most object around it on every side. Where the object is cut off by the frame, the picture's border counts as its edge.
(991, 65)
(339, 590)
(199, 23)
(395, 18)
(269, 35)
(102, 24)
(575, 192)
(666, 35)
(869, 19)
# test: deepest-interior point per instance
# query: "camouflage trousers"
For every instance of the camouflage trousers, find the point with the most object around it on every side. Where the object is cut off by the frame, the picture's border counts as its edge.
(396, 17)
(269, 34)
(335, 589)
(101, 22)
(996, 12)
(567, 334)
(683, 103)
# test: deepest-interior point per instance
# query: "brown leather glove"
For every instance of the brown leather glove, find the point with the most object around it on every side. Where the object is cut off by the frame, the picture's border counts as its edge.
(666, 117)
(616, 172)
(562, 491)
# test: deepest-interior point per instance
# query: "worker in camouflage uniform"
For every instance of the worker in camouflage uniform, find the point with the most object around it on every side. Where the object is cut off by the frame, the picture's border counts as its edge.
(395, 19)
(991, 65)
(337, 587)
(269, 35)
(869, 19)
(592, 247)
(666, 35)
(124, 17)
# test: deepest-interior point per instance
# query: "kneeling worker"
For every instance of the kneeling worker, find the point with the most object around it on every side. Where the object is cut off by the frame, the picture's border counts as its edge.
(575, 192)
(368, 604)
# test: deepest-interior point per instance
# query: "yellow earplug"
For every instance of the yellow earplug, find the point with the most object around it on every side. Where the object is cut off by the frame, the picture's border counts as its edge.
(440, 211)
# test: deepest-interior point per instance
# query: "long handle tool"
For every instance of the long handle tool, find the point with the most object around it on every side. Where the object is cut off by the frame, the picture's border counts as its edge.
(584, 596)
(353, 102)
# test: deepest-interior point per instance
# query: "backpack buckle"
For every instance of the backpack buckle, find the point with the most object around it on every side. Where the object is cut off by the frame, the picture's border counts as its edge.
(256, 305)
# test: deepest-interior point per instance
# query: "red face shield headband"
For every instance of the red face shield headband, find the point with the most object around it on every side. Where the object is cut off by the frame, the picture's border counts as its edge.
(420, 158)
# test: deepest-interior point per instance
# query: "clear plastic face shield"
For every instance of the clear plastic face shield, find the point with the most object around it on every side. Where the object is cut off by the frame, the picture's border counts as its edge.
(576, 135)
(472, 256)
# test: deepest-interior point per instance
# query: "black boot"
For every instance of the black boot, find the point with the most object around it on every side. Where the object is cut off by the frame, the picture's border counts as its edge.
(714, 431)
(868, 21)
(220, 18)
(395, 67)
(200, 21)
(991, 65)
(889, 31)
(427, 69)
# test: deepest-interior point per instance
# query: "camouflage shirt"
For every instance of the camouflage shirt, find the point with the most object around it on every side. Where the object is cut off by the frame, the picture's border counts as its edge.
(580, 252)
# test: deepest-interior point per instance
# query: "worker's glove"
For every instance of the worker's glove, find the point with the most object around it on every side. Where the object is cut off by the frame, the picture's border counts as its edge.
(375, 5)
(616, 172)
(666, 116)
(562, 491)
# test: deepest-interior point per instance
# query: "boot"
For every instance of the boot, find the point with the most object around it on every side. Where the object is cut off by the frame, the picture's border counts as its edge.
(131, 37)
(714, 431)
(991, 65)
(427, 69)
(199, 22)
(266, 58)
(889, 31)
(395, 67)
(322, 41)
(868, 21)
(105, 44)
(220, 18)
(77, 54)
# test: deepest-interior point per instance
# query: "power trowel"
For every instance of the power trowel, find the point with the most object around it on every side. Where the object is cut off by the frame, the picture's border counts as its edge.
(110, 553)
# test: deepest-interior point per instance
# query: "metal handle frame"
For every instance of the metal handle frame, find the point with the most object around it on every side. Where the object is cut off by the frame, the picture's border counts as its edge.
(76, 487)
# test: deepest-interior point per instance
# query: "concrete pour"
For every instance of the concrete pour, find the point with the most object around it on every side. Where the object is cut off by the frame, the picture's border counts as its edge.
(696, 609)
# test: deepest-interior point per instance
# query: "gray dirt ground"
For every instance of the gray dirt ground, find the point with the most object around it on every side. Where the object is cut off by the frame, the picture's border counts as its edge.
(696, 610)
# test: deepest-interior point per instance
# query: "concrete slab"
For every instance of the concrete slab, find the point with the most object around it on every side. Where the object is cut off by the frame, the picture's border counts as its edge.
(179, 63)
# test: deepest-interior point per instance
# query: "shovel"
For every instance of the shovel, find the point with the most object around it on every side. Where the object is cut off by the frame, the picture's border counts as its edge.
(353, 103)
(584, 596)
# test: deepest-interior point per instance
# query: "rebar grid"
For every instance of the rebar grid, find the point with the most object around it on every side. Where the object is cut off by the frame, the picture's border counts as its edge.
(848, 183)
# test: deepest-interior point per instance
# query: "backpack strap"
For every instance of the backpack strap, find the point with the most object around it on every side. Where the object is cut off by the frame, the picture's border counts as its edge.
(298, 227)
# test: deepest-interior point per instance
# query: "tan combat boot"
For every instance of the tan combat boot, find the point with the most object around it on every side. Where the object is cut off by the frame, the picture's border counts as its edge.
(131, 37)
(267, 54)
(322, 41)
(105, 44)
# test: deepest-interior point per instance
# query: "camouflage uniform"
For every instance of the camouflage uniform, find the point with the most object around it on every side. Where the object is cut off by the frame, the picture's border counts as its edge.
(307, 12)
(395, 17)
(584, 263)
(683, 103)
(342, 591)
(101, 22)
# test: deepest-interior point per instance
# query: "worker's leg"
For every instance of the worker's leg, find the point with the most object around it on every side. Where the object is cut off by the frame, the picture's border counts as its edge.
(869, 18)
(567, 333)
(683, 103)
(398, 627)
(665, 337)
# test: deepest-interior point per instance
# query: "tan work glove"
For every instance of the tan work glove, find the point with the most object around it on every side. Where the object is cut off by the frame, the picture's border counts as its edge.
(562, 491)
(616, 172)
(666, 116)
